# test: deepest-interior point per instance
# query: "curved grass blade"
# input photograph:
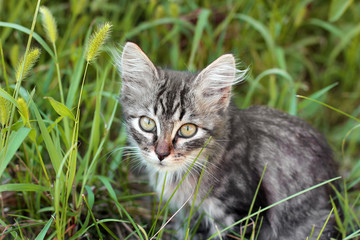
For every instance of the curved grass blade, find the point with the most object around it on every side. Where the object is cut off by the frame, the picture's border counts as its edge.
(147, 25)
(8, 97)
(36, 36)
(264, 32)
(317, 95)
(281, 73)
(337, 9)
(332, 108)
(327, 26)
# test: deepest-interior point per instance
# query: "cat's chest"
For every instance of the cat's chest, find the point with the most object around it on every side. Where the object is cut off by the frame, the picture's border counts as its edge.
(179, 194)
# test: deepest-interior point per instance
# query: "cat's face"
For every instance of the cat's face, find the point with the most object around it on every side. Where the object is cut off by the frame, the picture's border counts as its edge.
(171, 115)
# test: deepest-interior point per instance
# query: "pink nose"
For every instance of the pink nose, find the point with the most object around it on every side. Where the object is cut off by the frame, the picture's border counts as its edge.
(162, 150)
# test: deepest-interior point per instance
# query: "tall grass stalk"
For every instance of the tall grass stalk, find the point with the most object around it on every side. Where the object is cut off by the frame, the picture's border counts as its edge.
(20, 73)
(194, 199)
(253, 202)
(49, 23)
(3, 67)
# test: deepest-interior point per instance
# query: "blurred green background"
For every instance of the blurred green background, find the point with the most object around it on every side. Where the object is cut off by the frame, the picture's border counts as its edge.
(309, 48)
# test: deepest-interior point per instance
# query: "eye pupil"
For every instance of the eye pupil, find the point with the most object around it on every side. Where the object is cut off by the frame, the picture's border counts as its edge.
(147, 124)
(187, 130)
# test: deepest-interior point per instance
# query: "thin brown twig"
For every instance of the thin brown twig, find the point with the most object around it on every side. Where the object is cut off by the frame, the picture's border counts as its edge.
(130, 230)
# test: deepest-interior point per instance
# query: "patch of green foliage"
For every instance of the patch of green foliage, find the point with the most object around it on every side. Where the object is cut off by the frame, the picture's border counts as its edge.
(63, 170)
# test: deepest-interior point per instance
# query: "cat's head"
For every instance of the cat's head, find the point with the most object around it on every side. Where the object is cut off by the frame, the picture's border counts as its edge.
(170, 115)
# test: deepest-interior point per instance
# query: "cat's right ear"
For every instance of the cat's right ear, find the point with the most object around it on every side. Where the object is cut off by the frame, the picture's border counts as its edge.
(136, 69)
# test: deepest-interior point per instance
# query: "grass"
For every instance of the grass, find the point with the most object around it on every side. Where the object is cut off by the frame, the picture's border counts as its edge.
(63, 170)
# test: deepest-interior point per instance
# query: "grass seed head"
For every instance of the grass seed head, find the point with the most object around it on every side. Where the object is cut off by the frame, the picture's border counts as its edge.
(49, 23)
(23, 110)
(4, 111)
(30, 60)
(97, 40)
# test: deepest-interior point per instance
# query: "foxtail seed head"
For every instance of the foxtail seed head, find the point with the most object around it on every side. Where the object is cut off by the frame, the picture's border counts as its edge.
(23, 110)
(30, 60)
(97, 40)
(4, 111)
(49, 23)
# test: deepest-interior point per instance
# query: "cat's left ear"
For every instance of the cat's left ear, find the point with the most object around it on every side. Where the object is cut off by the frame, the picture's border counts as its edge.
(213, 84)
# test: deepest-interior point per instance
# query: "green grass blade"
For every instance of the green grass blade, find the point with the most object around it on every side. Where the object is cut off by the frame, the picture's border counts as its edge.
(26, 187)
(112, 194)
(55, 154)
(253, 201)
(345, 40)
(148, 25)
(327, 26)
(201, 23)
(8, 97)
(60, 108)
(15, 140)
(332, 108)
(108, 230)
(327, 220)
(43, 232)
(260, 27)
(93, 217)
(36, 36)
(269, 72)
(85, 230)
(194, 199)
(338, 8)
(277, 203)
(316, 95)
(353, 235)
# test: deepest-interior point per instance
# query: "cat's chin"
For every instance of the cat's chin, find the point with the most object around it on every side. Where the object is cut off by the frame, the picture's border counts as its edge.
(163, 167)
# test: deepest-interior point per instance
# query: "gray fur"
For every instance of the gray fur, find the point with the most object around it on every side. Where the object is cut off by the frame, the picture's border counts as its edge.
(242, 143)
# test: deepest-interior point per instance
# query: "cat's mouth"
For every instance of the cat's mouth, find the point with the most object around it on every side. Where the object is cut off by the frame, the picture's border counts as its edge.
(164, 166)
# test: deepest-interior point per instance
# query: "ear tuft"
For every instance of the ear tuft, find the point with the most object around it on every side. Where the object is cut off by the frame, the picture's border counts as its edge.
(137, 72)
(134, 64)
(213, 84)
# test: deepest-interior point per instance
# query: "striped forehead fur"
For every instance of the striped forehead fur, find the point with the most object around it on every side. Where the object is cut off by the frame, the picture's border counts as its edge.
(211, 87)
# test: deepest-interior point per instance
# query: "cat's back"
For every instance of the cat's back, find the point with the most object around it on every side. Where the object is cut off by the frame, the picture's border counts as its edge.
(282, 140)
(273, 123)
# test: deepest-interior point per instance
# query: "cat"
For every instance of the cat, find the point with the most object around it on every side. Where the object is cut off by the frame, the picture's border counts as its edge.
(171, 115)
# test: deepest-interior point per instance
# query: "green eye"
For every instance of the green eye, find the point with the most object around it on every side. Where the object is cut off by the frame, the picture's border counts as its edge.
(147, 124)
(188, 130)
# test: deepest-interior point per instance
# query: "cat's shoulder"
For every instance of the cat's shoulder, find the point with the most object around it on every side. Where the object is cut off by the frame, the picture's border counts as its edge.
(260, 116)
(259, 112)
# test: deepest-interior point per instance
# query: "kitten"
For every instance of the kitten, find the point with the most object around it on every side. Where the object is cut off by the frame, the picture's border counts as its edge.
(170, 116)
